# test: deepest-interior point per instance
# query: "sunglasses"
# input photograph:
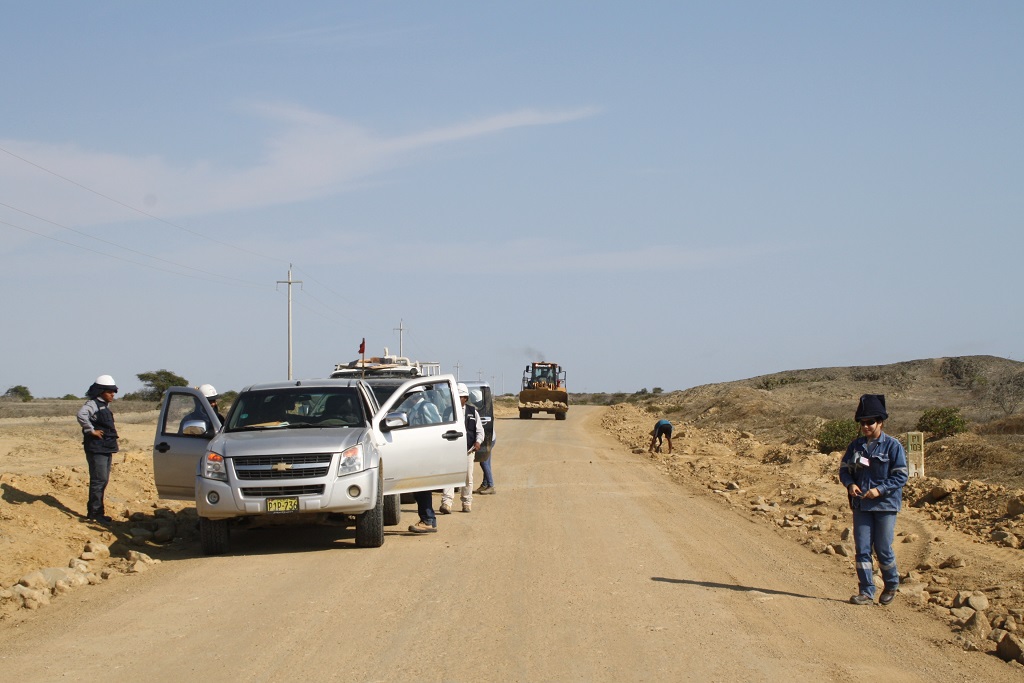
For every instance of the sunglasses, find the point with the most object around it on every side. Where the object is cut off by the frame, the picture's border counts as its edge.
(868, 423)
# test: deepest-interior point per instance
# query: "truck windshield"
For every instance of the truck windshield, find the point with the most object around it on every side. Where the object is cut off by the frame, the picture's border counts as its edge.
(297, 407)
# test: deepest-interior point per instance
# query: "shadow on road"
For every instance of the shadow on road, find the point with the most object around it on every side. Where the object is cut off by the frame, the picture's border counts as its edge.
(741, 589)
(16, 496)
(288, 538)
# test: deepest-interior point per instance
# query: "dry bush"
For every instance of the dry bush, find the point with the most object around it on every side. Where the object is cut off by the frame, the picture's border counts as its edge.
(895, 376)
(803, 429)
(971, 458)
(1007, 425)
(777, 456)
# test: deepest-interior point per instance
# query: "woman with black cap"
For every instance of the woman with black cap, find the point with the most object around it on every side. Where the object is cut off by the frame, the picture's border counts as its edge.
(874, 471)
(99, 438)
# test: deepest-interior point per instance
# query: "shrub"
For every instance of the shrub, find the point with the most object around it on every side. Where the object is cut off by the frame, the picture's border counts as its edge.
(157, 382)
(836, 435)
(942, 422)
(20, 393)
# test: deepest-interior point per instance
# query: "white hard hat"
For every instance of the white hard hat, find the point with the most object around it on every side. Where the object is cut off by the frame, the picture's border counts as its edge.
(463, 390)
(208, 391)
(106, 381)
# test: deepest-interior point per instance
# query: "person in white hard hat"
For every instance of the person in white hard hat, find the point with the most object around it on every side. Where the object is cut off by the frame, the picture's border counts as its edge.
(99, 439)
(211, 395)
(474, 439)
(199, 413)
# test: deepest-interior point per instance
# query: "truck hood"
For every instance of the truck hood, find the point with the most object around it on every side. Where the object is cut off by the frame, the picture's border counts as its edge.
(286, 441)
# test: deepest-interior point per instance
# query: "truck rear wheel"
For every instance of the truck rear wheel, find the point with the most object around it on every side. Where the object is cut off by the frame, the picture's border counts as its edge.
(392, 510)
(525, 414)
(370, 524)
(560, 416)
(213, 536)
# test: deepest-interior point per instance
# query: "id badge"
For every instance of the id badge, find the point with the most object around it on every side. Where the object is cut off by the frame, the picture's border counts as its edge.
(862, 461)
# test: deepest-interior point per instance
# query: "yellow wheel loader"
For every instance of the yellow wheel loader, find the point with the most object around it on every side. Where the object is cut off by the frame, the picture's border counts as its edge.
(543, 391)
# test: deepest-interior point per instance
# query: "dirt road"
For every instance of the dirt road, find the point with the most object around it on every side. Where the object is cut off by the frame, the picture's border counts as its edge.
(588, 565)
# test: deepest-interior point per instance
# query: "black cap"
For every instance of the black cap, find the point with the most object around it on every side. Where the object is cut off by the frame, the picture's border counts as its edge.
(871, 405)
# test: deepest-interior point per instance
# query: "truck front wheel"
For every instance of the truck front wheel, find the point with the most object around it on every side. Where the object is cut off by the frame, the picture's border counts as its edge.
(213, 536)
(370, 524)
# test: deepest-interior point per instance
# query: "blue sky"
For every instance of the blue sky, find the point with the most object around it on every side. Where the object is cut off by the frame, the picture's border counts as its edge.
(653, 194)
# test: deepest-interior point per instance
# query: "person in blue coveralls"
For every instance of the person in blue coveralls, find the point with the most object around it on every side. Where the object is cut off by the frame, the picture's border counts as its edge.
(874, 471)
(662, 428)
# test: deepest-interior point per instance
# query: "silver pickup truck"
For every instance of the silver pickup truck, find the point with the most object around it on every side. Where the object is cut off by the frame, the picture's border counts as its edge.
(305, 450)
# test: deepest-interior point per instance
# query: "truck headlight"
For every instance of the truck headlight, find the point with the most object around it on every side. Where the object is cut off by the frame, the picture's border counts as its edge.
(351, 461)
(215, 467)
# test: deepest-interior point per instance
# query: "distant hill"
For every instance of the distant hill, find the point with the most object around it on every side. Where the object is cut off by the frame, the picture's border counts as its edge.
(789, 405)
(790, 408)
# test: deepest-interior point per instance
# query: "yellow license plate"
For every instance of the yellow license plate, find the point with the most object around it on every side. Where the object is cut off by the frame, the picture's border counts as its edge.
(283, 504)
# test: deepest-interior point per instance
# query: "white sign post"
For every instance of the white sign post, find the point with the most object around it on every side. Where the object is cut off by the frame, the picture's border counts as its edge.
(915, 453)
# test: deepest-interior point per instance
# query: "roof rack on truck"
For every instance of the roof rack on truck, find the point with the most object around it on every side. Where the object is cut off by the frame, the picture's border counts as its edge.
(386, 365)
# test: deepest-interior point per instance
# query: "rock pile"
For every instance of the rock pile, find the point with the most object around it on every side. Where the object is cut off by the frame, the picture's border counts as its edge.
(92, 566)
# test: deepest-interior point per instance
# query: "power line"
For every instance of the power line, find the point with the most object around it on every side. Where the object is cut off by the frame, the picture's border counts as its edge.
(101, 253)
(136, 209)
(332, 291)
(119, 246)
(303, 291)
(165, 222)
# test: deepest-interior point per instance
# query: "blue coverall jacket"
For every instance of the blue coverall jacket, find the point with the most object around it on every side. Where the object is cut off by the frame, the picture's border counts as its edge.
(882, 466)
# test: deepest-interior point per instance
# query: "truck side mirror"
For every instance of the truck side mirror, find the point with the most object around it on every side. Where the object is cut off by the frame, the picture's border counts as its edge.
(195, 428)
(394, 421)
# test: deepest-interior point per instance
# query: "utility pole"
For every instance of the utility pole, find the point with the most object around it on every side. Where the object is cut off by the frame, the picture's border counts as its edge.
(457, 366)
(400, 329)
(289, 282)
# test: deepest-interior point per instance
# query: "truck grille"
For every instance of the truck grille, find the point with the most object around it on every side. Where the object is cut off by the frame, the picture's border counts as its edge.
(298, 466)
(271, 491)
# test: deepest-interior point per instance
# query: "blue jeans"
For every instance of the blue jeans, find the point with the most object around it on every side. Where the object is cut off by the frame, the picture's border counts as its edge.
(425, 506)
(875, 530)
(485, 465)
(99, 475)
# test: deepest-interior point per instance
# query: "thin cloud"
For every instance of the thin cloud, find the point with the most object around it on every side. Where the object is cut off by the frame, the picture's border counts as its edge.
(494, 124)
(313, 155)
(519, 257)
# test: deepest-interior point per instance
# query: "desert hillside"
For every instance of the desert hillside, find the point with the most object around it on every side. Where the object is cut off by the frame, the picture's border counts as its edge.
(790, 408)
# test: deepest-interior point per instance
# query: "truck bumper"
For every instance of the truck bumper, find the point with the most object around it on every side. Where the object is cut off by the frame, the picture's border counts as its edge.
(351, 494)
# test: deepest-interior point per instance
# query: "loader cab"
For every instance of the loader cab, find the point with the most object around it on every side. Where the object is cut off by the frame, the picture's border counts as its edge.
(541, 375)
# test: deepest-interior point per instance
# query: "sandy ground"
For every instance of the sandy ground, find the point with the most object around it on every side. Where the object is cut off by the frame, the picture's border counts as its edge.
(595, 561)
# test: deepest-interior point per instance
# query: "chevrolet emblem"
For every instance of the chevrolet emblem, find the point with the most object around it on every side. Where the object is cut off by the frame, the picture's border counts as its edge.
(280, 467)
